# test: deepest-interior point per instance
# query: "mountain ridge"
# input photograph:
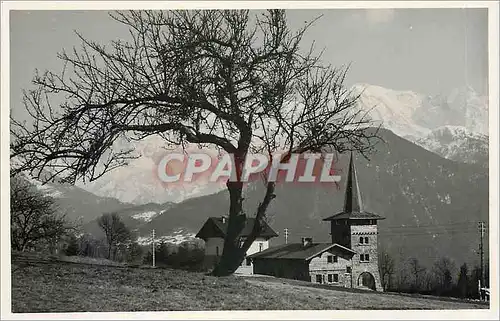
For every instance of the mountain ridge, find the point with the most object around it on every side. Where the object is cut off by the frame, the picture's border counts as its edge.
(408, 114)
(431, 204)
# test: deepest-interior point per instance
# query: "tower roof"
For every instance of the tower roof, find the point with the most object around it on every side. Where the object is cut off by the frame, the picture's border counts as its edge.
(353, 204)
(352, 201)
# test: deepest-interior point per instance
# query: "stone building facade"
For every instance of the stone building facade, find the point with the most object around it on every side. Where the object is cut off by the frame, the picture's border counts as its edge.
(350, 260)
(332, 267)
(314, 262)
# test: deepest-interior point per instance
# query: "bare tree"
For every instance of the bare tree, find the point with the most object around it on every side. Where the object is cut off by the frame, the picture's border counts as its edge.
(443, 270)
(402, 275)
(115, 230)
(387, 269)
(427, 280)
(34, 216)
(417, 270)
(221, 78)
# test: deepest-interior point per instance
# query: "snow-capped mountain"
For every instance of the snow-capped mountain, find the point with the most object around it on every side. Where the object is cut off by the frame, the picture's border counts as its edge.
(138, 181)
(407, 113)
(455, 125)
(457, 143)
(392, 109)
(461, 107)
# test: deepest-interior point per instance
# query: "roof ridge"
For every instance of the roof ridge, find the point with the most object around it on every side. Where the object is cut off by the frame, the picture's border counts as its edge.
(297, 251)
(249, 221)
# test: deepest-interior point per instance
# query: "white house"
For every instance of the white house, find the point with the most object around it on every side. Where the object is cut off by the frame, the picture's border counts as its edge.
(214, 231)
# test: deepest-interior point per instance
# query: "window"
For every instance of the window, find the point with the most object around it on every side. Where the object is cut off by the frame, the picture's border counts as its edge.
(318, 278)
(361, 257)
(217, 250)
(261, 247)
(332, 259)
(348, 269)
(366, 240)
(330, 278)
(367, 258)
(335, 278)
(360, 240)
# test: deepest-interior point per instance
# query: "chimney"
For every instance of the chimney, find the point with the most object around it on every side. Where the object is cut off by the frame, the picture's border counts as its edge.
(307, 241)
(223, 220)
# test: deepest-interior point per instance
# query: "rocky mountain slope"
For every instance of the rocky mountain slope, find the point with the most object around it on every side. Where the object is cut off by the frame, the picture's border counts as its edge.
(458, 144)
(421, 119)
(410, 114)
(453, 125)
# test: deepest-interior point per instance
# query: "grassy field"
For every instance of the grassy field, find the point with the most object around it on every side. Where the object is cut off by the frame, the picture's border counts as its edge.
(49, 286)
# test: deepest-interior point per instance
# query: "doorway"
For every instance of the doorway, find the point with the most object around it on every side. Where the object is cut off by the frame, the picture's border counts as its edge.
(367, 280)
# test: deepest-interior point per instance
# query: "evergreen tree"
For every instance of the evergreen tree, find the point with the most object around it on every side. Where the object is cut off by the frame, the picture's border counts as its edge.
(463, 282)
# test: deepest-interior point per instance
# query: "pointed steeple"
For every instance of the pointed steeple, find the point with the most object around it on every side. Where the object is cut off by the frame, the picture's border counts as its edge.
(353, 207)
(352, 202)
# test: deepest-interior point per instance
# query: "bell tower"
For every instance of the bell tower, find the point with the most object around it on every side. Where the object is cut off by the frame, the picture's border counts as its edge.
(356, 229)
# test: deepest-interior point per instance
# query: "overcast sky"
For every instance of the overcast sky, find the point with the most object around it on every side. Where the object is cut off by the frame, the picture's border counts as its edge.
(430, 51)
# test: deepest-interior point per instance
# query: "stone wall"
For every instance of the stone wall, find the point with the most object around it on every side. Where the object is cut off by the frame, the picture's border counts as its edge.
(320, 269)
(370, 233)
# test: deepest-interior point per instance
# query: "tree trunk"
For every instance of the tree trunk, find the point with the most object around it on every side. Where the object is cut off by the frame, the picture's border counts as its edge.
(232, 256)
(24, 245)
(234, 252)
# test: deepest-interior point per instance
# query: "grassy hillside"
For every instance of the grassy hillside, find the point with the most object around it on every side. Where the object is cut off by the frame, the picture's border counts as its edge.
(39, 286)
